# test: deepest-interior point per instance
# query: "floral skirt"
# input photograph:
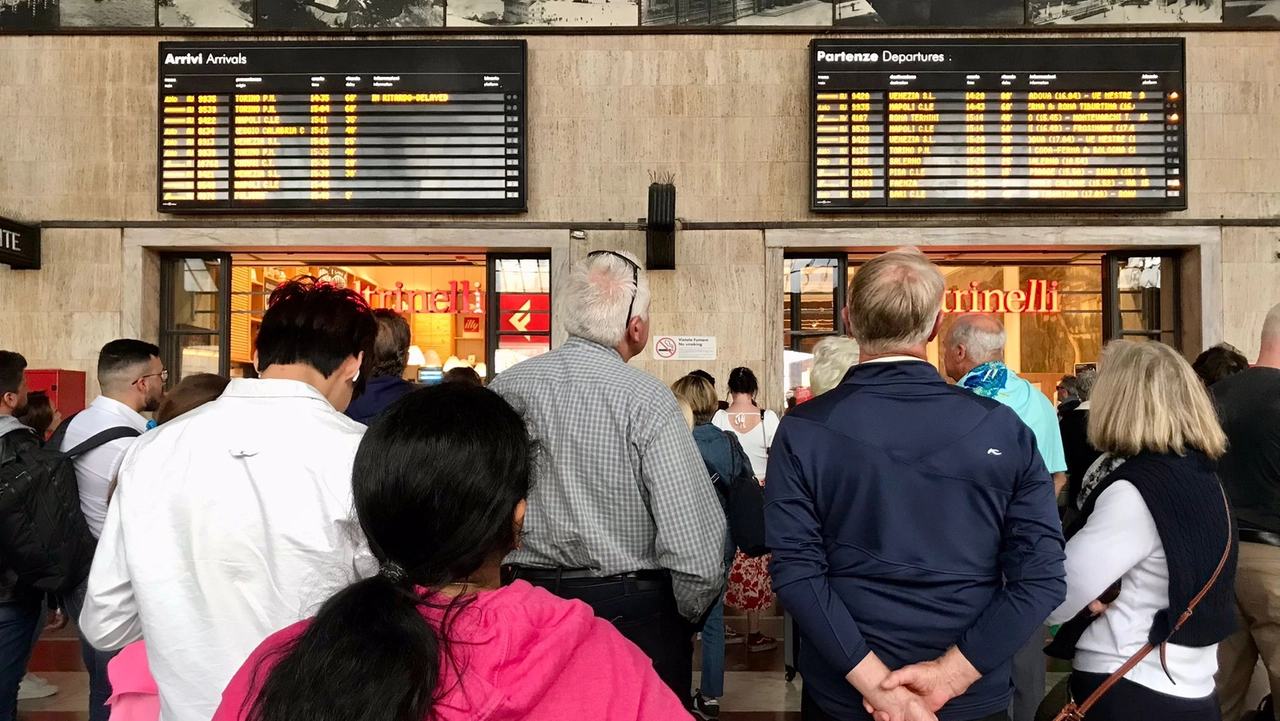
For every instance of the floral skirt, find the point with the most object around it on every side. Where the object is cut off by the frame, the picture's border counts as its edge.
(750, 588)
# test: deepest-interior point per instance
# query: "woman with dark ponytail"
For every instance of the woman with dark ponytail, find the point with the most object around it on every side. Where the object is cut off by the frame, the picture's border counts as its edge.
(439, 483)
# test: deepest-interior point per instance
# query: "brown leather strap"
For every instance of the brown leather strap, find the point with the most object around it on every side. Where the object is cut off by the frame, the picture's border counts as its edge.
(1075, 713)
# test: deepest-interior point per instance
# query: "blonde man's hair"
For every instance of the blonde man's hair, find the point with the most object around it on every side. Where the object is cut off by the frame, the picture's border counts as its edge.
(699, 395)
(832, 359)
(1147, 398)
(894, 301)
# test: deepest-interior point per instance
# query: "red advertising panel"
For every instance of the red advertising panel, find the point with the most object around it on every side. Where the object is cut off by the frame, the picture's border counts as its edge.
(524, 313)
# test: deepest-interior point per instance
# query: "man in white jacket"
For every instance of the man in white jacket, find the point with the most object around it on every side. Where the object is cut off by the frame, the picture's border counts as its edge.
(234, 520)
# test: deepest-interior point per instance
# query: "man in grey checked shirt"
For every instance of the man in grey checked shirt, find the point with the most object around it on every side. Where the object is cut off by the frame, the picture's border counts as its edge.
(622, 513)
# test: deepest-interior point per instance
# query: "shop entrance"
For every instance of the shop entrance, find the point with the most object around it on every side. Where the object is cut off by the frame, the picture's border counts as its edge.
(479, 310)
(1058, 306)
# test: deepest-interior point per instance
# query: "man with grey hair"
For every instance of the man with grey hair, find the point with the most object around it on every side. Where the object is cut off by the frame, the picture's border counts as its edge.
(974, 358)
(622, 514)
(912, 523)
(1249, 406)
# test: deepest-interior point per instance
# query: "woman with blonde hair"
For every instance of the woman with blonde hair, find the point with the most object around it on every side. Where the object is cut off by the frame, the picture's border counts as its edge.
(723, 455)
(1155, 530)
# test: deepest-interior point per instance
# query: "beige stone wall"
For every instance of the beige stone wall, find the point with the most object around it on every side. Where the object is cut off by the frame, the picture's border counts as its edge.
(727, 114)
(1250, 283)
(717, 289)
(61, 315)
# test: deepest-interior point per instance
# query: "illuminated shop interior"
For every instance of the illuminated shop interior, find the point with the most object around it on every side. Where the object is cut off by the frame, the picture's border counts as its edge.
(454, 318)
(1058, 307)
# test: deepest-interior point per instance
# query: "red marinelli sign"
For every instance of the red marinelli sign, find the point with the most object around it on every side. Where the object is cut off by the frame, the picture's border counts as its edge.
(459, 298)
(1040, 296)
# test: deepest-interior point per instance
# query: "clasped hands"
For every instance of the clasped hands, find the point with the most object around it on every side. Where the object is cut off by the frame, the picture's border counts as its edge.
(915, 692)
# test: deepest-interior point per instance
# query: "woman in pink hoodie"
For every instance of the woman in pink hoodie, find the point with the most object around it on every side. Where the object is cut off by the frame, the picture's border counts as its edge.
(440, 481)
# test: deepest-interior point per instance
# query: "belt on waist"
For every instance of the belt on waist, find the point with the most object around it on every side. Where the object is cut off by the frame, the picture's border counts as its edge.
(1266, 538)
(643, 579)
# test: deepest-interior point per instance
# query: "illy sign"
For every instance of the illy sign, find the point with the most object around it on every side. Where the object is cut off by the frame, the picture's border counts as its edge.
(19, 245)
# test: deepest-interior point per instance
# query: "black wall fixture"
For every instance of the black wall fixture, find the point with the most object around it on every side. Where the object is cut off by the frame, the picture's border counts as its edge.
(660, 226)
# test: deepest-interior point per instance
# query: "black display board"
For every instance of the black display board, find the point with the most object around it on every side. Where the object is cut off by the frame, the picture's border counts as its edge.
(992, 123)
(342, 126)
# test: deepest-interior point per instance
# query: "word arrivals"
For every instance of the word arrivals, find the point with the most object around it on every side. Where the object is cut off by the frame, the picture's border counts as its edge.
(459, 298)
(1041, 296)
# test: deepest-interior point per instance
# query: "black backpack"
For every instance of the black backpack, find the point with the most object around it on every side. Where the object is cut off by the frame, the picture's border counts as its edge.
(744, 499)
(44, 538)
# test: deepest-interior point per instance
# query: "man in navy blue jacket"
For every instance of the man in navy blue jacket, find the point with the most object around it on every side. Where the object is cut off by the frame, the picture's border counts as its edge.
(913, 524)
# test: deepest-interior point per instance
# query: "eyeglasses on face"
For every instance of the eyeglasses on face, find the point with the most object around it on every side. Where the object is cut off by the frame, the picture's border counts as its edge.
(635, 276)
(163, 375)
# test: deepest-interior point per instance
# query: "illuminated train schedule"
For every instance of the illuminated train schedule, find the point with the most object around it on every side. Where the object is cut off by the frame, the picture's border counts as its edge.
(342, 126)
(990, 124)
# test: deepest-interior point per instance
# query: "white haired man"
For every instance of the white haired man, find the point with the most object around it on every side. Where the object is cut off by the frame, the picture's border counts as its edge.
(974, 353)
(1249, 405)
(912, 523)
(621, 514)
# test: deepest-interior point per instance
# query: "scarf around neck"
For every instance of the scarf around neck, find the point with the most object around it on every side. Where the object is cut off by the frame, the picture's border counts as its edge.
(988, 379)
(1106, 464)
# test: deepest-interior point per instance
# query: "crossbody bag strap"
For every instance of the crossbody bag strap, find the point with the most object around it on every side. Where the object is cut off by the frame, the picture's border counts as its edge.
(764, 432)
(1077, 713)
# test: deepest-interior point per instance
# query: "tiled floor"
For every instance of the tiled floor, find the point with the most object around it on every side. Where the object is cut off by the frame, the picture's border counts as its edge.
(755, 690)
(755, 686)
(69, 704)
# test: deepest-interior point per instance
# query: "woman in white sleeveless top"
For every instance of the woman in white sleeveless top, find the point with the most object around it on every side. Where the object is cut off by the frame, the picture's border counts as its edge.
(749, 586)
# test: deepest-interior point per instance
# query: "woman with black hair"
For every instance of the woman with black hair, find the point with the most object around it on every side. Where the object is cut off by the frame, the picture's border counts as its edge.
(440, 482)
(750, 588)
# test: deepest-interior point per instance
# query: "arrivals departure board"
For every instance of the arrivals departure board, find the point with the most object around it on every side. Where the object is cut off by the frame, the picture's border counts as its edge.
(342, 126)
(992, 123)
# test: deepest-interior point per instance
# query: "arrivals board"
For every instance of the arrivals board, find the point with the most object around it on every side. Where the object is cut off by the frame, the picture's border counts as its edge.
(994, 123)
(342, 126)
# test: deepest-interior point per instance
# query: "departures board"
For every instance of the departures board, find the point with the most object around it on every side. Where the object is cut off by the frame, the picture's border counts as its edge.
(342, 126)
(987, 124)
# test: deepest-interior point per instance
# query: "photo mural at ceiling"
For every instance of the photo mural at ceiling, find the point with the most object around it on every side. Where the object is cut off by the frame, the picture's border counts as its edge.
(337, 15)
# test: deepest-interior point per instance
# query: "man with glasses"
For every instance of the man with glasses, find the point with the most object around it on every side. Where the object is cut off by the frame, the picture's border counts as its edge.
(622, 514)
(132, 379)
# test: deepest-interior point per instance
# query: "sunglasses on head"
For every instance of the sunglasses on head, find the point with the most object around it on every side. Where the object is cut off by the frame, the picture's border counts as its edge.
(635, 275)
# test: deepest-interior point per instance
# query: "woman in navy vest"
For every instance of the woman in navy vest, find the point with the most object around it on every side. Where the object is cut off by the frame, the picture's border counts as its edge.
(1155, 524)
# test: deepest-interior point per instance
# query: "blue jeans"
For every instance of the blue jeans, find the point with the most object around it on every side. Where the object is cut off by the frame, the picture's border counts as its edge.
(713, 653)
(713, 639)
(94, 660)
(19, 621)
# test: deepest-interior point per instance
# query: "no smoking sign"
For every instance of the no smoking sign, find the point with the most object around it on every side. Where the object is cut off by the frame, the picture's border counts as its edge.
(684, 347)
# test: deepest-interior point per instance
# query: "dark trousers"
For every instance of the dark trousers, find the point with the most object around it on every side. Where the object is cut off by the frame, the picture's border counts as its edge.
(1029, 669)
(19, 621)
(643, 611)
(811, 711)
(94, 660)
(1127, 701)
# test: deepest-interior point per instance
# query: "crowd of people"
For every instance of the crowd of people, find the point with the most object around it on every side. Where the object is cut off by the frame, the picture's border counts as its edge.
(328, 541)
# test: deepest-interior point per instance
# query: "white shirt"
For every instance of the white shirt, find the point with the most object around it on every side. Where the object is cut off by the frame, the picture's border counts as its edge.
(755, 442)
(229, 523)
(1120, 541)
(96, 469)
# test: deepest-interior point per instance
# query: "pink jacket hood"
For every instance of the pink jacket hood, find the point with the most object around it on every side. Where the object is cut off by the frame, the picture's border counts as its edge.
(524, 654)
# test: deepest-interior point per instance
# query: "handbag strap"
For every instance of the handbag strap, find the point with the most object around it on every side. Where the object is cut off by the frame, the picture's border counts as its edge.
(1078, 713)
(764, 432)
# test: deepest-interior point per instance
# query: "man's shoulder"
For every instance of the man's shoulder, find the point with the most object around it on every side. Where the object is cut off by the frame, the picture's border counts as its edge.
(943, 401)
(326, 430)
(1247, 384)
